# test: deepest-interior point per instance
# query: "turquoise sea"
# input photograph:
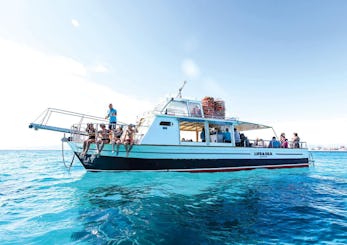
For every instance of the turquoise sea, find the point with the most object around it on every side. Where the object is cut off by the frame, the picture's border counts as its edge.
(43, 203)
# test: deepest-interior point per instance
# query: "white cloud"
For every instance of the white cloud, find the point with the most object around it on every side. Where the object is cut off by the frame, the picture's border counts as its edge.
(33, 81)
(99, 68)
(75, 23)
(190, 68)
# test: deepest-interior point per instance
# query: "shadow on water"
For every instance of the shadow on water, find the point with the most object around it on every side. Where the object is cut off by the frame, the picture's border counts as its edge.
(247, 207)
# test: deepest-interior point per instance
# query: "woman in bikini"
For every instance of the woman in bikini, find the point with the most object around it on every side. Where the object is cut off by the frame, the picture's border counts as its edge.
(104, 135)
(116, 138)
(91, 138)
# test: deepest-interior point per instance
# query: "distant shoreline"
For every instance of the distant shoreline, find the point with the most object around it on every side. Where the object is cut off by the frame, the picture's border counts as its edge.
(329, 150)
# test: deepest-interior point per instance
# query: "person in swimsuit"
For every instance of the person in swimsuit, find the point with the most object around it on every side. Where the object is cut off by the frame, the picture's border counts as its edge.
(104, 137)
(116, 138)
(128, 138)
(91, 138)
(296, 141)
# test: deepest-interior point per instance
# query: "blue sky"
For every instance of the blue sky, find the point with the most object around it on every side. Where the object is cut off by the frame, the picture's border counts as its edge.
(276, 62)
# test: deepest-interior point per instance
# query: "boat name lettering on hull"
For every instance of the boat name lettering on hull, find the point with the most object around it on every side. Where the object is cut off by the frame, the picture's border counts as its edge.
(263, 153)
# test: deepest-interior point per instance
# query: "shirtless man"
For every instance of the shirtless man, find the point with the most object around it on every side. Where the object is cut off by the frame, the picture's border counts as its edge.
(128, 138)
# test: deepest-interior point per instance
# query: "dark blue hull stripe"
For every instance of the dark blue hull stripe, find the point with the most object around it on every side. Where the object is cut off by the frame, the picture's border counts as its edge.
(92, 162)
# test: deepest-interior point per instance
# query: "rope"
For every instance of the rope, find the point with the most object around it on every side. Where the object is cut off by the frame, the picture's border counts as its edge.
(62, 153)
(311, 160)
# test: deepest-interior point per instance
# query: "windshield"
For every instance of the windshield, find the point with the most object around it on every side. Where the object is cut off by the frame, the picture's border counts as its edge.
(177, 108)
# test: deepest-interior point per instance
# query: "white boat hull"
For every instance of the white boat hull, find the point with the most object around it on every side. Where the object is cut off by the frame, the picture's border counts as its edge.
(190, 158)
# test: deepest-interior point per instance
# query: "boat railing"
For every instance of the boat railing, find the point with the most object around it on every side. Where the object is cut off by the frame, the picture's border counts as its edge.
(51, 117)
(79, 133)
(138, 137)
(266, 143)
(186, 114)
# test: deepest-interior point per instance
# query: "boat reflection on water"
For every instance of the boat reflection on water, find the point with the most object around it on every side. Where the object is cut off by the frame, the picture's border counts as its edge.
(176, 208)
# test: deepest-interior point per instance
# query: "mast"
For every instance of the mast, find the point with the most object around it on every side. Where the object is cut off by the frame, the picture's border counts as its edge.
(179, 95)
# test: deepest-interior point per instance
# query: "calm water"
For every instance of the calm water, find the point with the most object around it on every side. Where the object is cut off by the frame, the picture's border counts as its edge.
(42, 203)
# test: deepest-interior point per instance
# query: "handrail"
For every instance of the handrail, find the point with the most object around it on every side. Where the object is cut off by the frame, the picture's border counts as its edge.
(71, 113)
(42, 121)
(265, 143)
(77, 131)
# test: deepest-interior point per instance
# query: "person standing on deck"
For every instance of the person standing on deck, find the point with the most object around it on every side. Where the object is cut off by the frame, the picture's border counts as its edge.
(227, 136)
(296, 141)
(112, 115)
(284, 141)
(274, 143)
(237, 137)
(202, 135)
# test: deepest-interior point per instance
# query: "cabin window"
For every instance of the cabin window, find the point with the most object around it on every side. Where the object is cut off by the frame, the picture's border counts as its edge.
(177, 108)
(195, 109)
(220, 133)
(192, 131)
(163, 123)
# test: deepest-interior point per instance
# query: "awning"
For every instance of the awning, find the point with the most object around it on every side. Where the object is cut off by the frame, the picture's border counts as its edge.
(245, 126)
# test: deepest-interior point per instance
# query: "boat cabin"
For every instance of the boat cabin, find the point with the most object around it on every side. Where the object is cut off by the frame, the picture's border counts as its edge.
(183, 122)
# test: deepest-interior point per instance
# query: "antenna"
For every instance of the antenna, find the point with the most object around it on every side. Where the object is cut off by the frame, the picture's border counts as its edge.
(179, 95)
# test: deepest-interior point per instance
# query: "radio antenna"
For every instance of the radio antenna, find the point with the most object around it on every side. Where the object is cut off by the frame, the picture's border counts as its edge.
(179, 95)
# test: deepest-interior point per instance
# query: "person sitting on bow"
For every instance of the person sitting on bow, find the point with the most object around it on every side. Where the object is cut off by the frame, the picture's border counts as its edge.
(104, 138)
(116, 138)
(91, 138)
(128, 138)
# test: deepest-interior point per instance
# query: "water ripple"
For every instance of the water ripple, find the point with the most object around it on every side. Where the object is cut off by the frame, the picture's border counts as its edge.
(41, 203)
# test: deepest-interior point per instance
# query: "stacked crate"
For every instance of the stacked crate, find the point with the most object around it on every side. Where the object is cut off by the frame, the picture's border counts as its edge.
(219, 108)
(208, 106)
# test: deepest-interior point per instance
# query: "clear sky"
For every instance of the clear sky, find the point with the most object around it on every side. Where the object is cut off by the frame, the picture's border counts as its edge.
(281, 63)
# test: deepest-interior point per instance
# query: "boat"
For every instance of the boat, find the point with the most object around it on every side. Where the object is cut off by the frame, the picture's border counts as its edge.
(169, 139)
